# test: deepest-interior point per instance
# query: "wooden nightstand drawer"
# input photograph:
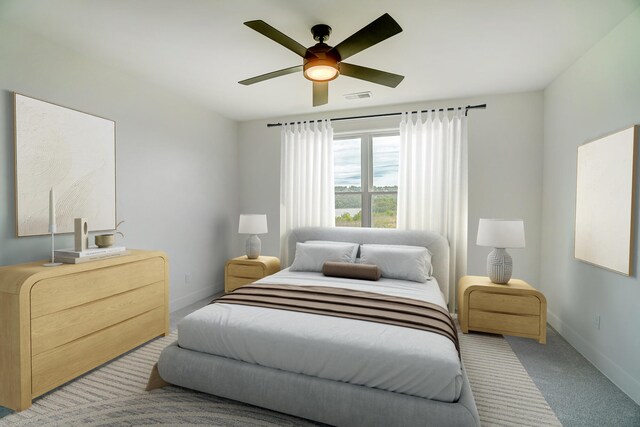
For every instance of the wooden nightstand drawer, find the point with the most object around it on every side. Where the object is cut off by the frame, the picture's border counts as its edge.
(242, 270)
(504, 323)
(234, 283)
(504, 303)
(255, 271)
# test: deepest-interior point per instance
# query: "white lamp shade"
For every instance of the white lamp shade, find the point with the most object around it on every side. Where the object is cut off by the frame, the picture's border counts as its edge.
(253, 224)
(501, 233)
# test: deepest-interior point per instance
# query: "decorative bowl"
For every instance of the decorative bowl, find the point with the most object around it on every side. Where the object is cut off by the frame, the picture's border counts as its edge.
(105, 240)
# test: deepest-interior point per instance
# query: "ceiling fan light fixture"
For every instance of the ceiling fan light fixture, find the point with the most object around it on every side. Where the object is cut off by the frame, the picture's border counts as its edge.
(321, 70)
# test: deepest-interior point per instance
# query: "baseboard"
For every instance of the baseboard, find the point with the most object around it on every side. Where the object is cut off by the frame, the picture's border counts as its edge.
(608, 367)
(190, 298)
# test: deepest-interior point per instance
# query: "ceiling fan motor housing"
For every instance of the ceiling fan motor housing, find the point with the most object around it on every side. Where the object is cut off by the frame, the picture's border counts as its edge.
(321, 55)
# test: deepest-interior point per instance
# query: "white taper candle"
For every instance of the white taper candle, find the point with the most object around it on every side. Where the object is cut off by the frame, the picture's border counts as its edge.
(52, 211)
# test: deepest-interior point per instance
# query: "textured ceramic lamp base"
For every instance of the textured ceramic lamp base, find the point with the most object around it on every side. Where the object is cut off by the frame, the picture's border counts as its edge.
(499, 266)
(253, 246)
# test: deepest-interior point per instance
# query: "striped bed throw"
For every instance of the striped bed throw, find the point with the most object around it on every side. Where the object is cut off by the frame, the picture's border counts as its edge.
(347, 303)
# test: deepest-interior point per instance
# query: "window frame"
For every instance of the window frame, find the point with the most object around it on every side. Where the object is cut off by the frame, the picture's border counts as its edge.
(366, 170)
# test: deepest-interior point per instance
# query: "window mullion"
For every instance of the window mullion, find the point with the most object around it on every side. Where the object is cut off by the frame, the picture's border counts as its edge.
(366, 174)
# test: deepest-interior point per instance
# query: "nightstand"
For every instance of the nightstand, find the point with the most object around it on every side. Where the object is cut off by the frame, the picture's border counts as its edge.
(515, 308)
(242, 270)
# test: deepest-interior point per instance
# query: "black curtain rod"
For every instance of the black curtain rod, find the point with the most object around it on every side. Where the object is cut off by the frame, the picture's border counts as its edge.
(370, 116)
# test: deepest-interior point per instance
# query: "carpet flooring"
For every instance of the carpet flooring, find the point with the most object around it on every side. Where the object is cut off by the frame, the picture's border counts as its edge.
(114, 395)
(576, 391)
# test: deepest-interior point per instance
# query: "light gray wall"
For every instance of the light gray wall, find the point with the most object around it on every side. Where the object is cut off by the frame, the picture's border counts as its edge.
(505, 169)
(176, 174)
(597, 95)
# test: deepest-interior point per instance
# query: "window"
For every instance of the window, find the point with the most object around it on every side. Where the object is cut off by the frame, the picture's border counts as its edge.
(366, 179)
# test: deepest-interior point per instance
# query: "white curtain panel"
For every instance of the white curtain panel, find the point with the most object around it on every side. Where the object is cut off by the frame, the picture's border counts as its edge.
(432, 182)
(306, 182)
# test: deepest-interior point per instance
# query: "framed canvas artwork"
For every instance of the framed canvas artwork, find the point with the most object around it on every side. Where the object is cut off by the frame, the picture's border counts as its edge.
(67, 150)
(605, 201)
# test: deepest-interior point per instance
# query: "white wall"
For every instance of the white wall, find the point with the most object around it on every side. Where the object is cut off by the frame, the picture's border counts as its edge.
(505, 169)
(597, 95)
(176, 174)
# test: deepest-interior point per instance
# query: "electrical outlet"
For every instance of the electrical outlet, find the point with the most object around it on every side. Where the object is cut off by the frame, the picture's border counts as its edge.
(596, 322)
(187, 278)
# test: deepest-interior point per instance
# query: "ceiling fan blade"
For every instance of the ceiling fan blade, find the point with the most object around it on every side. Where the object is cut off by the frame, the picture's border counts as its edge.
(320, 93)
(277, 36)
(377, 31)
(271, 75)
(370, 74)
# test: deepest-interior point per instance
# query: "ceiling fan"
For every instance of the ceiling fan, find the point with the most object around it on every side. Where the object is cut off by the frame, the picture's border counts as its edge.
(323, 63)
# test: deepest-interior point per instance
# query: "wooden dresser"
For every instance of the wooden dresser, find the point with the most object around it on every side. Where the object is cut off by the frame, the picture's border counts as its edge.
(242, 270)
(515, 308)
(57, 323)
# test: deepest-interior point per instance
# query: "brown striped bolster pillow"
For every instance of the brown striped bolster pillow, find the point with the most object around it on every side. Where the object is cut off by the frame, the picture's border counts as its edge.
(350, 270)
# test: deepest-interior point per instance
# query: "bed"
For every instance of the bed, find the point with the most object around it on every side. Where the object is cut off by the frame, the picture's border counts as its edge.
(334, 370)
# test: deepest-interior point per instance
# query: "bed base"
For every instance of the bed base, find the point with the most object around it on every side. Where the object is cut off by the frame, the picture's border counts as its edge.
(317, 399)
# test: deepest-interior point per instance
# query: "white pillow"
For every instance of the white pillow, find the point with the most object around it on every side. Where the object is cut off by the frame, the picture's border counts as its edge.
(355, 246)
(398, 261)
(312, 256)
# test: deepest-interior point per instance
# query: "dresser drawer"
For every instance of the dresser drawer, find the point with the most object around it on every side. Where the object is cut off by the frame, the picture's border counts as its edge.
(235, 282)
(504, 303)
(504, 323)
(62, 292)
(55, 329)
(247, 271)
(63, 363)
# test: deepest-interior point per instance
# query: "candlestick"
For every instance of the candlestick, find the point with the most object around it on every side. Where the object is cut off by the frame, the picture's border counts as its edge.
(52, 211)
(52, 263)
(52, 227)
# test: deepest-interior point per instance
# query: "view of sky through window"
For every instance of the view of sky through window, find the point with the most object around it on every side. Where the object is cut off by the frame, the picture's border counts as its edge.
(346, 163)
(385, 161)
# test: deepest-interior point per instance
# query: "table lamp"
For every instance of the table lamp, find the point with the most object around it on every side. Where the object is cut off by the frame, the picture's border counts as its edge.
(500, 234)
(253, 225)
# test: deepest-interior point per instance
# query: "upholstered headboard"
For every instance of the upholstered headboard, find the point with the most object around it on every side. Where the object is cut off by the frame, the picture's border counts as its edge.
(437, 244)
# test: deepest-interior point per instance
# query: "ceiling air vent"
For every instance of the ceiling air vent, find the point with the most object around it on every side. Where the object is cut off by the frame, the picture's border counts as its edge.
(358, 95)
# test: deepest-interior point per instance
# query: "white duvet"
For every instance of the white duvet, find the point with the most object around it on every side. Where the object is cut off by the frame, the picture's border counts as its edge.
(388, 357)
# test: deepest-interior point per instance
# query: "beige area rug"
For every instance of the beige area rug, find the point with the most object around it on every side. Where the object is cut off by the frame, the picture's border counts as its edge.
(504, 392)
(114, 395)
